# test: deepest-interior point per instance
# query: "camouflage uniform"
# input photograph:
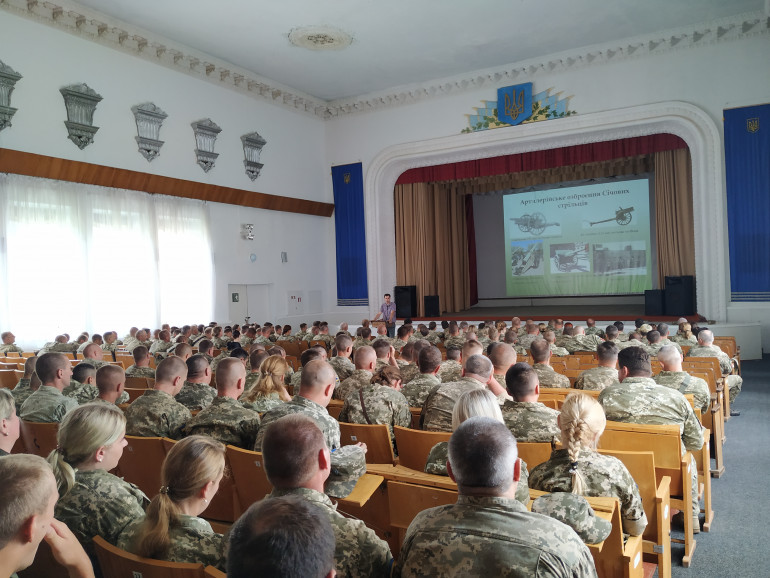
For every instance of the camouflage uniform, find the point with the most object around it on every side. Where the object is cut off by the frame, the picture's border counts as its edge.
(134, 371)
(433, 337)
(325, 337)
(632, 343)
(456, 341)
(641, 400)
(46, 405)
(409, 372)
(667, 341)
(491, 536)
(597, 378)
(10, 348)
(526, 340)
(23, 383)
(398, 345)
(62, 348)
(359, 553)
(360, 342)
(558, 351)
(110, 347)
(20, 396)
(195, 395)
(583, 343)
(192, 541)
(384, 405)
(531, 421)
(437, 409)
(734, 382)
(95, 362)
(85, 392)
(358, 379)
(156, 414)
(342, 366)
(549, 378)
(450, 370)
(686, 383)
(296, 380)
(251, 380)
(326, 423)
(100, 504)
(500, 379)
(219, 342)
(605, 476)
(436, 465)
(417, 390)
(136, 343)
(262, 403)
(226, 420)
(224, 354)
(681, 339)
(594, 331)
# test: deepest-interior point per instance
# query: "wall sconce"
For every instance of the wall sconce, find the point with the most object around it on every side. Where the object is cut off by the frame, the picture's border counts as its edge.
(252, 148)
(247, 231)
(81, 102)
(149, 119)
(206, 132)
(8, 78)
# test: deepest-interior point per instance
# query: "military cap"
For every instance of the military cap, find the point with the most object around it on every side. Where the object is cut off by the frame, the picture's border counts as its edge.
(348, 464)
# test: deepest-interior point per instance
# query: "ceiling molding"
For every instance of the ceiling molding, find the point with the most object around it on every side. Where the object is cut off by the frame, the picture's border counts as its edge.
(97, 27)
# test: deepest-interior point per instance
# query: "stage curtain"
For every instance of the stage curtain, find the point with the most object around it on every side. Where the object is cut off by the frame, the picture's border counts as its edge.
(432, 243)
(674, 214)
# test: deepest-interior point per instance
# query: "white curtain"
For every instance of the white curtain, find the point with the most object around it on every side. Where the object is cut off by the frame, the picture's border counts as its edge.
(79, 257)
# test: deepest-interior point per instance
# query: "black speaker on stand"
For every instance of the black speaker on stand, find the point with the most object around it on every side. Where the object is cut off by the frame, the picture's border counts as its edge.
(653, 302)
(680, 295)
(432, 307)
(406, 300)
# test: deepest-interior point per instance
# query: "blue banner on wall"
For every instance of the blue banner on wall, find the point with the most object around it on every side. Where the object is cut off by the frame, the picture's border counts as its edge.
(747, 162)
(350, 230)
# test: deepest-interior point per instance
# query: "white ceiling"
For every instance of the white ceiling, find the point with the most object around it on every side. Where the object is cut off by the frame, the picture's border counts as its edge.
(401, 42)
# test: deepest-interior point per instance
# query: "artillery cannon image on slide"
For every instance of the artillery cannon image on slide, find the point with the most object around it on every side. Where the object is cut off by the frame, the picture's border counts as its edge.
(622, 217)
(533, 224)
(526, 259)
(569, 257)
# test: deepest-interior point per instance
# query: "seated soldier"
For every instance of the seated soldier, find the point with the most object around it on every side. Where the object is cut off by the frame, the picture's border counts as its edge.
(256, 357)
(285, 537)
(706, 348)
(141, 366)
(386, 354)
(527, 418)
(550, 337)
(298, 463)
(511, 337)
(29, 369)
(582, 342)
(674, 377)
(111, 383)
(269, 391)
(365, 361)
(541, 356)
(429, 363)
(310, 354)
(48, 404)
(93, 354)
(95, 339)
(341, 362)
(82, 386)
(447, 540)
(8, 345)
(611, 335)
(197, 393)
(454, 338)
(181, 350)
(502, 357)
(406, 360)
(452, 368)
(402, 337)
(364, 339)
(142, 338)
(605, 374)
(533, 333)
(634, 340)
(653, 343)
(156, 413)
(225, 419)
(664, 331)
(205, 346)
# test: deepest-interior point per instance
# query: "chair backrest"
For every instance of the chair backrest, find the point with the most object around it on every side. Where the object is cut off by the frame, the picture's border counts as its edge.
(134, 393)
(211, 572)
(39, 438)
(414, 445)
(405, 501)
(117, 563)
(8, 378)
(335, 407)
(137, 382)
(141, 462)
(247, 471)
(534, 453)
(379, 449)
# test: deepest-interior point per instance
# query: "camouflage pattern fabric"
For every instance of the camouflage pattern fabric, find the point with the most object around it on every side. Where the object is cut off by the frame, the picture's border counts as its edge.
(576, 512)
(437, 410)
(195, 395)
(417, 390)
(136, 343)
(20, 396)
(95, 362)
(295, 380)
(594, 331)
(433, 337)
(342, 366)
(359, 553)
(224, 354)
(734, 382)
(597, 378)
(85, 392)
(326, 423)
(384, 405)
(456, 341)
(10, 348)
(192, 541)
(549, 378)
(491, 536)
(398, 345)
(605, 476)
(358, 379)
(156, 414)
(526, 340)
(62, 348)
(262, 403)
(110, 347)
(100, 504)
(583, 343)
(531, 421)
(686, 383)
(667, 341)
(682, 340)
(134, 371)
(632, 343)
(226, 420)
(46, 405)
(360, 342)
(409, 372)
(251, 380)
(450, 370)
(23, 383)
(558, 351)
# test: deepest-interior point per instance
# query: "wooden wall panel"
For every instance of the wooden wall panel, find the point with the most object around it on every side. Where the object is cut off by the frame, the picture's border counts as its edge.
(34, 165)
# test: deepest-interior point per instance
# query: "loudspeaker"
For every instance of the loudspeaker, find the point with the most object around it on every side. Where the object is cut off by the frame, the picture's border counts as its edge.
(432, 308)
(406, 300)
(653, 302)
(680, 295)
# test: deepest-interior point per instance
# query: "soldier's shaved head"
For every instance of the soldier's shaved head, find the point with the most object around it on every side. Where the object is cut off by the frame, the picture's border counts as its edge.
(364, 357)
(315, 376)
(48, 364)
(93, 351)
(521, 381)
(382, 348)
(109, 378)
(169, 369)
(472, 347)
(256, 357)
(290, 449)
(479, 366)
(502, 357)
(540, 350)
(229, 371)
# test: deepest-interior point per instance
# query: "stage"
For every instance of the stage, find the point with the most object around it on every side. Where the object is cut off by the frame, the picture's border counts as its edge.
(574, 313)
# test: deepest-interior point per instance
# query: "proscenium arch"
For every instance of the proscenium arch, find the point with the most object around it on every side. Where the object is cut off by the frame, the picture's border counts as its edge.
(690, 123)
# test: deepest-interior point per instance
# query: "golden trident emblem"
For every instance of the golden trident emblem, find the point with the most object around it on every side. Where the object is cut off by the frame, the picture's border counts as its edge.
(346, 178)
(752, 124)
(514, 109)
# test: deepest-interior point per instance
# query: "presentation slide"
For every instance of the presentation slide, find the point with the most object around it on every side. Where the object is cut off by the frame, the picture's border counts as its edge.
(592, 239)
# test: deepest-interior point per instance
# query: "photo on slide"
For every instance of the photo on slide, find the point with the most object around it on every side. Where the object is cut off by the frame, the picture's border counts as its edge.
(624, 258)
(570, 258)
(607, 218)
(532, 224)
(527, 258)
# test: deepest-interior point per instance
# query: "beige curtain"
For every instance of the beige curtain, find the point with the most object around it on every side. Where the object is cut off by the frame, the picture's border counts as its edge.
(674, 214)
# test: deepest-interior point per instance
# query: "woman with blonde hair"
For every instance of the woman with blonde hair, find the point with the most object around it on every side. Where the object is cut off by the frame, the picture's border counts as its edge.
(580, 469)
(172, 530)
(92, 501)
(269, 391)
(474, 403)
(685, 335)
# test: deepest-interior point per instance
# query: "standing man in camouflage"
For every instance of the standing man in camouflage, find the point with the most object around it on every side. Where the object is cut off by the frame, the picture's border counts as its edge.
(197, 393)
(48, 404)
(156, 413)
(541, 356)
(388, 313)
(417, 390)
(605, 374)
(8, 345)
(706, 348)
(365, 361)
(141, 366)
(527, 418)
(225, 419)
(298, 463)
(674, 377)
(488, 532)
